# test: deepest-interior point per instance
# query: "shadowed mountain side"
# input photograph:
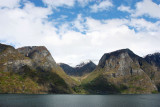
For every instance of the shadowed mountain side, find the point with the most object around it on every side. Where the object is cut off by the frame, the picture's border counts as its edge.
(80, 70)
(153, 68)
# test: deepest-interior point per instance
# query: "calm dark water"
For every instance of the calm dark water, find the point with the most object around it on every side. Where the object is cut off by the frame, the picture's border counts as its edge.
(16, 100)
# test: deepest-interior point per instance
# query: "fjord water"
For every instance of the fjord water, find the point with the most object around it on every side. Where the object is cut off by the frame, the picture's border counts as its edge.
(18, 100)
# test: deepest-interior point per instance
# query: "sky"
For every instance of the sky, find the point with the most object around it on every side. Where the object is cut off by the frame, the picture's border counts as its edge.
(78, 30)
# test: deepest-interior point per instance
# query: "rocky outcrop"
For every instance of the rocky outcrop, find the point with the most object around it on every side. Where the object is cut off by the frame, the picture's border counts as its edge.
(80, 70)
(40, 55)
(11, 59)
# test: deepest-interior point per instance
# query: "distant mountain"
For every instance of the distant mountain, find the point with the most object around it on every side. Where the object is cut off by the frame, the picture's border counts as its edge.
(154, 70)
(153, 59)
(120, 71)
(67, 69)
(80, 70)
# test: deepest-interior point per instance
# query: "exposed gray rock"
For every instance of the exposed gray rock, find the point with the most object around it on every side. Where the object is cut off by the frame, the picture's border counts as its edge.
(40, 55)
(16, 65)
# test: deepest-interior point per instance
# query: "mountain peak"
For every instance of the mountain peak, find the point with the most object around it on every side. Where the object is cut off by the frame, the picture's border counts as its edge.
(39, 54)
(28, 51)
(153, 59)
(3, 47)
(154, 54)
(116, 53)
(79, 70)
(121, 51)
(83, 63)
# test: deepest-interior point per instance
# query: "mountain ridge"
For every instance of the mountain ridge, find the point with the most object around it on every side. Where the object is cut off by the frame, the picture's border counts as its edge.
(32, 69)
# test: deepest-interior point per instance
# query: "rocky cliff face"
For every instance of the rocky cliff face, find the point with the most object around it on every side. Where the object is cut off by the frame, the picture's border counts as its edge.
(11, 58)
(120, 72)
(80, 70)
(31, 70)
(40, 55)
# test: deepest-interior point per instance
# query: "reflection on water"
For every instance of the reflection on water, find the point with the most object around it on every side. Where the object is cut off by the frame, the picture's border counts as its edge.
(14, 100)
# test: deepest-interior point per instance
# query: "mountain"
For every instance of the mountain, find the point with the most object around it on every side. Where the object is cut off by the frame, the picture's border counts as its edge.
(31, 70)
(153, 59)
(40, 55)
(120, 71)
(80, 70)
(67, 69)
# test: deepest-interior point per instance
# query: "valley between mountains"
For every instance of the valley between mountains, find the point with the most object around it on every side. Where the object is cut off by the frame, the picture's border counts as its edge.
(32, 70)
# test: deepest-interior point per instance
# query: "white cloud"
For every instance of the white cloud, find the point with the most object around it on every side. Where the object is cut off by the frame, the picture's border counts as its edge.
(69, 3)
(84, 2)
(147, 7)
(125, 9)
(9, 3)
(79, 23)
(25, 25)
(57, 3)
(143, 25)
(104, 5)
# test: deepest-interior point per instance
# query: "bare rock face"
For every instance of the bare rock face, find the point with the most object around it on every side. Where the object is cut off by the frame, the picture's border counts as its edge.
(122, 70)
(11, 59)
(123, 62)
(40, 55)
